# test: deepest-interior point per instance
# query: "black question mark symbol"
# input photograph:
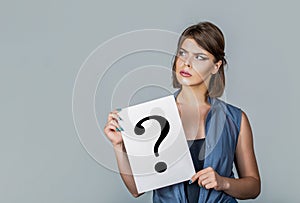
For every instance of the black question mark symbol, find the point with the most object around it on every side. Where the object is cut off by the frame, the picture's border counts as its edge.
(165, 127)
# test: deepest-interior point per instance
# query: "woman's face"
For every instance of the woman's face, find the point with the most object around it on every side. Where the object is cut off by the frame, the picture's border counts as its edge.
(194, 65)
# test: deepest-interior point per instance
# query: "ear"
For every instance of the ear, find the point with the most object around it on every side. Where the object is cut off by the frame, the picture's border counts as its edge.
(216, 67)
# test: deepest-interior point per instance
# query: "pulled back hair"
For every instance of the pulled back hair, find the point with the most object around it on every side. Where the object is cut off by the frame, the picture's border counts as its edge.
(209, 37)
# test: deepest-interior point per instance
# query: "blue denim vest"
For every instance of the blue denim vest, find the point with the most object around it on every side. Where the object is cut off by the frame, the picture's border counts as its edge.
(222, 128)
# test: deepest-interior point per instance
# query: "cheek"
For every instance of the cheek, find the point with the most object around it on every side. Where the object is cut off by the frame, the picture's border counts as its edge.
(204, 69)
(178, 64)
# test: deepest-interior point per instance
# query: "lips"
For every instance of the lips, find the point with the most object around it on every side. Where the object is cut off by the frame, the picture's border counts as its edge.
(185, 74)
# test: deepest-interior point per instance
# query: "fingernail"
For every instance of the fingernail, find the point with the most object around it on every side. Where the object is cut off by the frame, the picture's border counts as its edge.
(120, 118)
(119, 109)
(190, 182)
(121, 129)
(118, 130)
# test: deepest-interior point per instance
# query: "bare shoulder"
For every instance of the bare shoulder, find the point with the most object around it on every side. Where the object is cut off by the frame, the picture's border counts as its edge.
(245, 155)
(245, 128)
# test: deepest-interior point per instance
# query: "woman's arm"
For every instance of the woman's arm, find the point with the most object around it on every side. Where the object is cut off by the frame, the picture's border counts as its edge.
(247, 186)
(125, 170)
(115, 137)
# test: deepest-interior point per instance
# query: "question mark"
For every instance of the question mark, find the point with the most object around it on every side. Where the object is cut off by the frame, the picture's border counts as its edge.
(165, 127)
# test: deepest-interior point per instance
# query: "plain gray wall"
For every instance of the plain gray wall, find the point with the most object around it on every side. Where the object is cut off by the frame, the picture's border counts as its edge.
(44, 43)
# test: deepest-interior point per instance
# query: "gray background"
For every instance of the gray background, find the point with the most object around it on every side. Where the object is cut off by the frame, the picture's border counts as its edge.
(44, 43)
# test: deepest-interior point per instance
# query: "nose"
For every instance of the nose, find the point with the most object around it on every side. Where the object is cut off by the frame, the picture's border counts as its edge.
(187, 62)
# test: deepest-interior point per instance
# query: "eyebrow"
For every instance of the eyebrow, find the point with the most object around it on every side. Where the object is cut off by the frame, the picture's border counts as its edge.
(194, 53)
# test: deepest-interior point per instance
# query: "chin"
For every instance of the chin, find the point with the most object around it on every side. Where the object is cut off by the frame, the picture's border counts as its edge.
(185, 82)
(188, 82)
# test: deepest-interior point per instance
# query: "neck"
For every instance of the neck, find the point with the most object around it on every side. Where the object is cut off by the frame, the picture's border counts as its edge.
(193, 95)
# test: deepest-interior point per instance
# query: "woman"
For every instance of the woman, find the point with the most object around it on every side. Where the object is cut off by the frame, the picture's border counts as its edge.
(218, 133)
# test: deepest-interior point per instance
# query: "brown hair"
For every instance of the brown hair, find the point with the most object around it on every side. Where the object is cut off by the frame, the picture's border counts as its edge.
(209, 37)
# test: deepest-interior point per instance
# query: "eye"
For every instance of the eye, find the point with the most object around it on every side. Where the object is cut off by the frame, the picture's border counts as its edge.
(181, 53)
(200, 57)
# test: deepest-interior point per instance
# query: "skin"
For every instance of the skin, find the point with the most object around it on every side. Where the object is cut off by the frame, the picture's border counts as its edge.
(193, 108)
(115, 138)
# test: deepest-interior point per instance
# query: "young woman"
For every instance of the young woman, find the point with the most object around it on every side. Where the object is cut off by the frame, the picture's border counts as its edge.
(218, 134)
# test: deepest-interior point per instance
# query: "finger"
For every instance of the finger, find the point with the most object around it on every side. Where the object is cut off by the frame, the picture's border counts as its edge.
(200, 173)
(206, 171)
(204, 182)
(113, 115)
(209, 185)
(113, 128)
(109, 127)
(117, 110)
(116, 124)
(203, 179)
(193, 178)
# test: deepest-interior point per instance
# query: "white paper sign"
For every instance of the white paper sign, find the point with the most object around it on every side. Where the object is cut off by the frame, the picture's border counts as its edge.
(156, 144)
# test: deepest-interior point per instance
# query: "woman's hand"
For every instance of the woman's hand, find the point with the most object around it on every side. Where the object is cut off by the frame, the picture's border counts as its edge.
(113, 130)
(209, 178)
